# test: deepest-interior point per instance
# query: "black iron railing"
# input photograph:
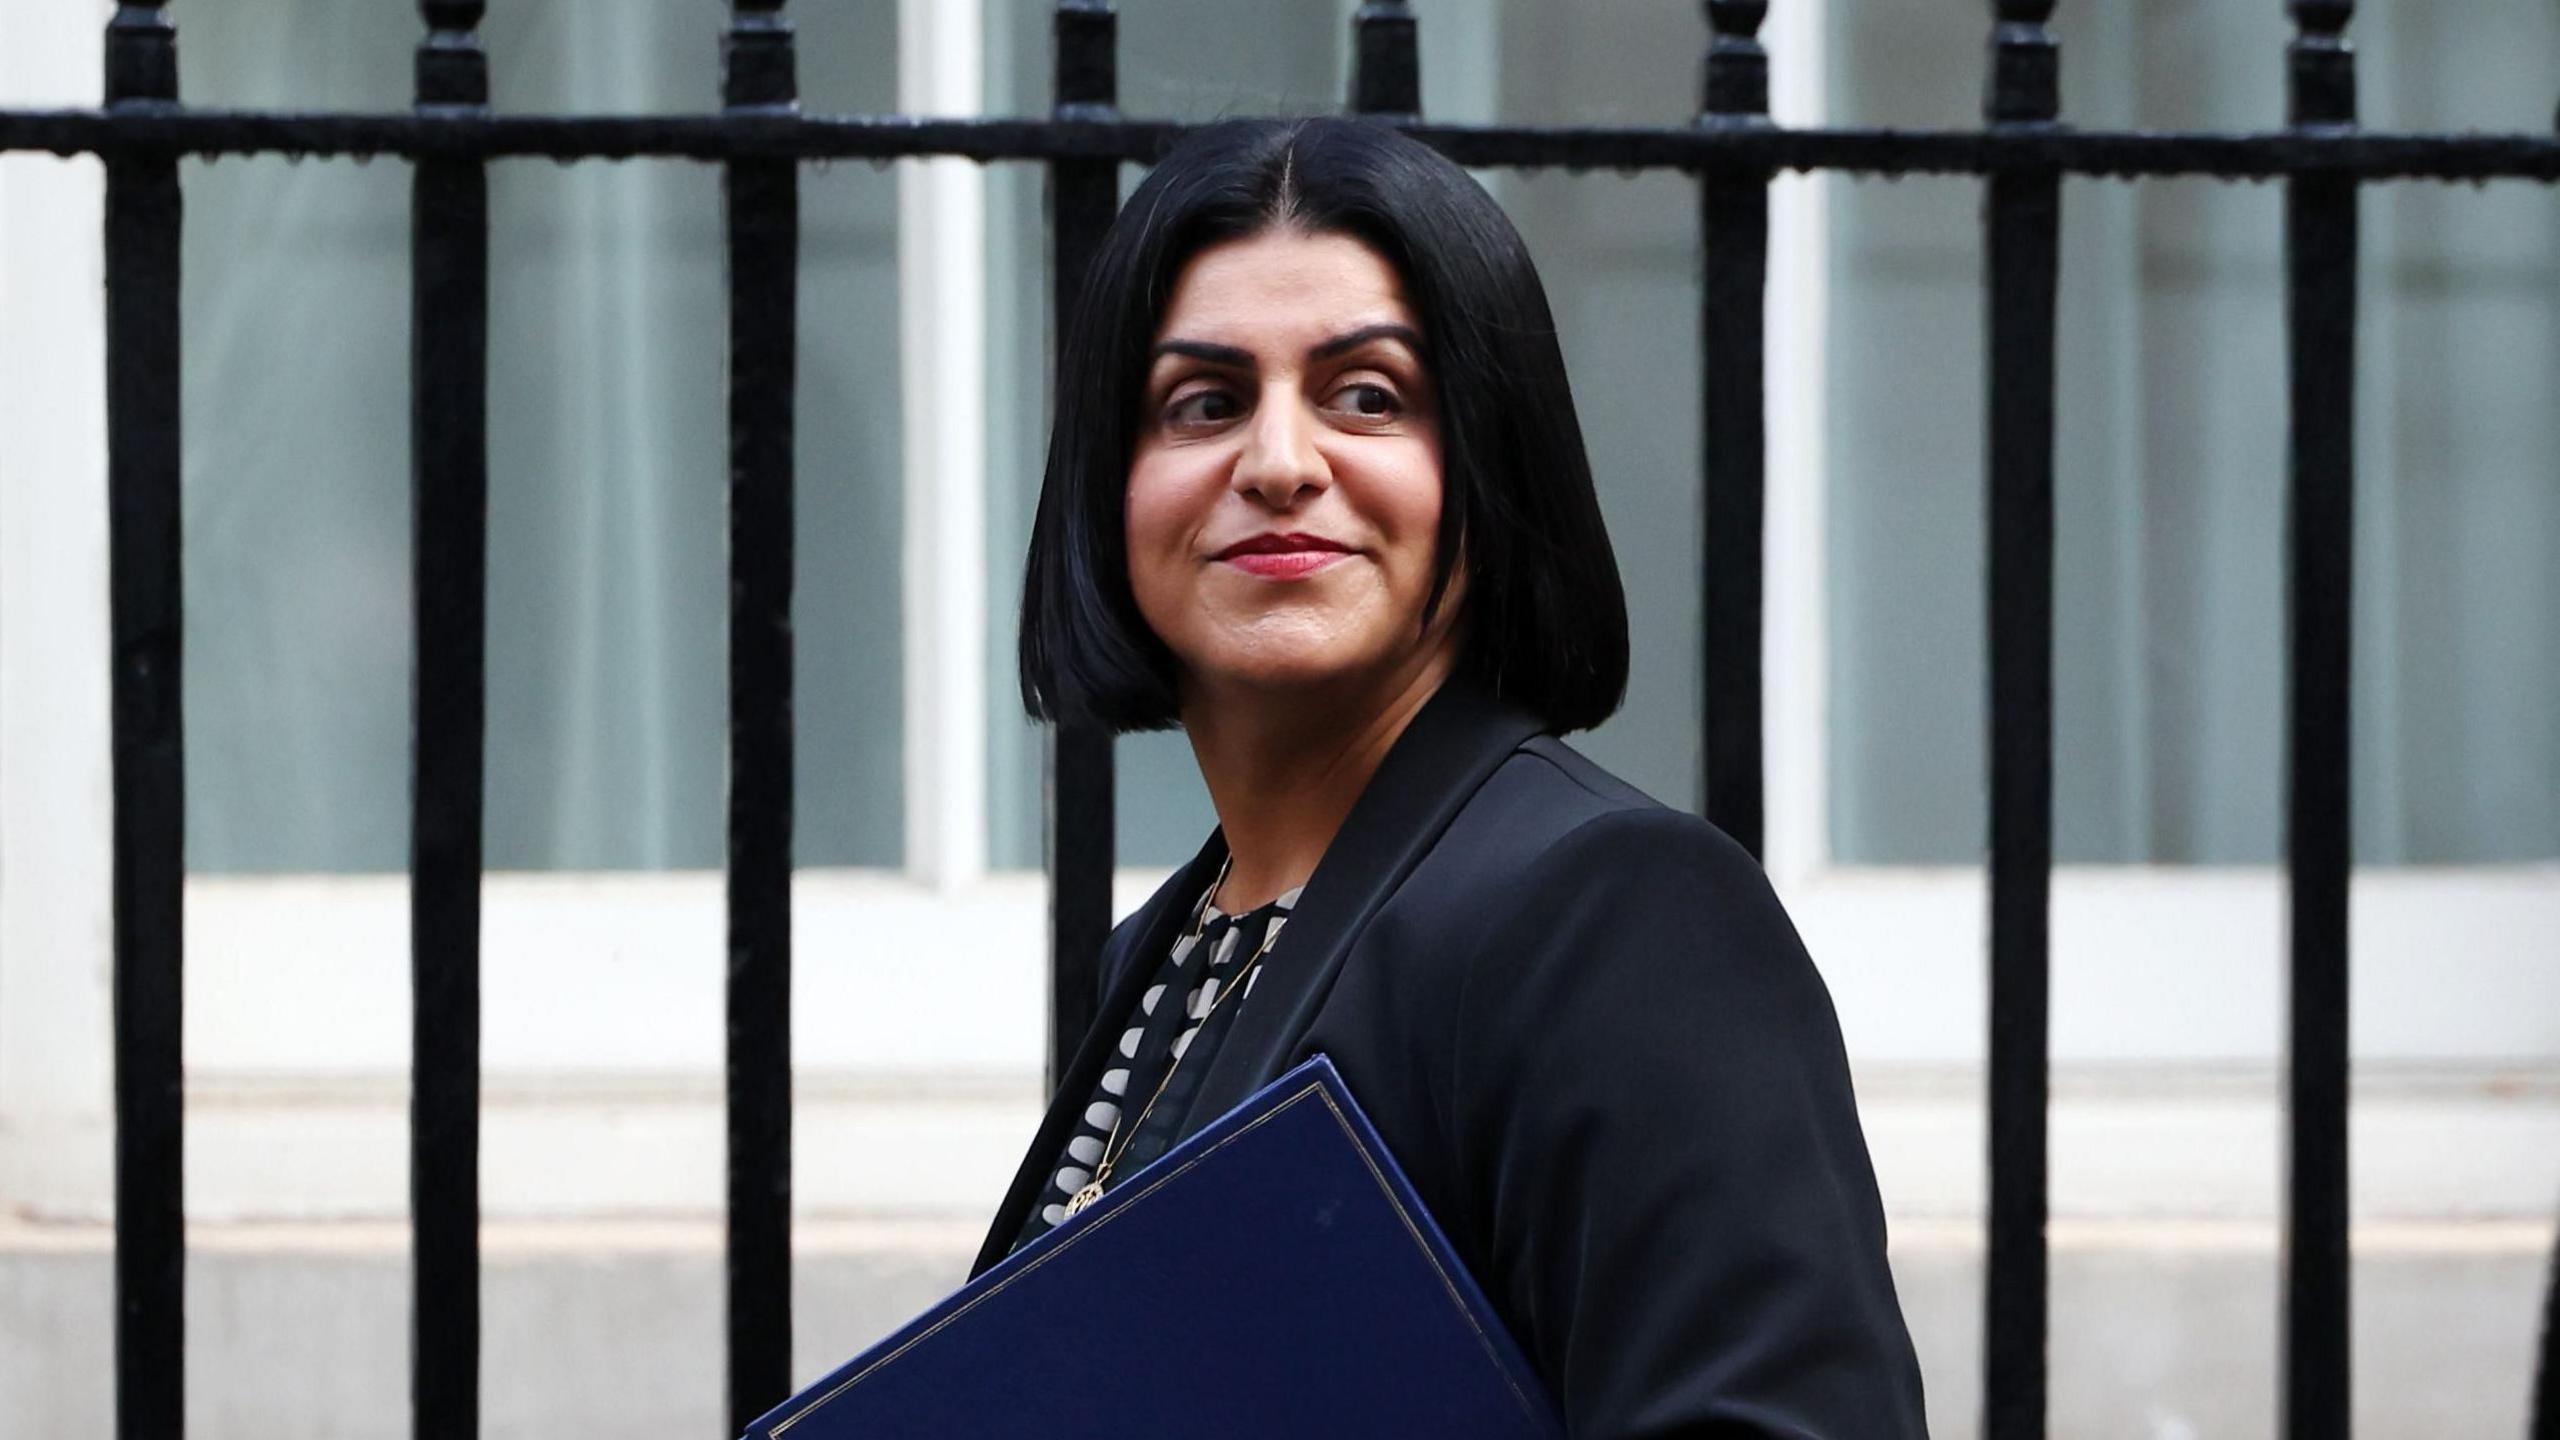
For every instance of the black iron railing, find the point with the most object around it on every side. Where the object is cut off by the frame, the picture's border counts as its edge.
(760, 137)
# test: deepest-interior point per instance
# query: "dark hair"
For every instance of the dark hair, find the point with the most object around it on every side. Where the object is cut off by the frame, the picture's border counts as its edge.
(1546, 621)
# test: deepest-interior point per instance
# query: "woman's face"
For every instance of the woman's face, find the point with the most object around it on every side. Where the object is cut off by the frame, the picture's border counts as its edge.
(1284, 492)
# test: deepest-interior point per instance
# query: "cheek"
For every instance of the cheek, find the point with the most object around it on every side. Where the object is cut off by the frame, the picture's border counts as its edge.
(1408, 510)
(1156, 520)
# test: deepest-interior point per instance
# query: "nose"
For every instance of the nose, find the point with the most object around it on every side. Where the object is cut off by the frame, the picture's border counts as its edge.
(1280, 465)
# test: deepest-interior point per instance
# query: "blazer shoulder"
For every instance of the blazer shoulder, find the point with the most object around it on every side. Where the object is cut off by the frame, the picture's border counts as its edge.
(1549, 813)
(1547, 792)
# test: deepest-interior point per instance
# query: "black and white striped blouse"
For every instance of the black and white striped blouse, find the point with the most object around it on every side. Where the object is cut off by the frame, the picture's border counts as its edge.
(1156, 1036)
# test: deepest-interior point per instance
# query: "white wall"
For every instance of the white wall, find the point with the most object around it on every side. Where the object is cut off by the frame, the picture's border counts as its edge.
(55, 1086)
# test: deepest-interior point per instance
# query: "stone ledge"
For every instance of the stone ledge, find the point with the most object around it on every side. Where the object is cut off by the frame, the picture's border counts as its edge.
(299, 1331)
(2156, 1141)
(956, 1238)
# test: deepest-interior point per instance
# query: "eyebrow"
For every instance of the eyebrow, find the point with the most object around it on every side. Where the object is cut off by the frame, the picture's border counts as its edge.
(1233, 358)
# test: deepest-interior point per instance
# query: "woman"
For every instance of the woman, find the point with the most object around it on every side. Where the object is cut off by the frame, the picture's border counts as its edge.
(1316, 494)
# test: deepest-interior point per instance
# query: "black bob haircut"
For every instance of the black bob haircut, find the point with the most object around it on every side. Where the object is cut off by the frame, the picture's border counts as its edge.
(1545, 622)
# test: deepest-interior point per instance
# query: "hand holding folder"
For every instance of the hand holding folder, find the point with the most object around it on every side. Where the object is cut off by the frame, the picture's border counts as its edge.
(1271, 1276)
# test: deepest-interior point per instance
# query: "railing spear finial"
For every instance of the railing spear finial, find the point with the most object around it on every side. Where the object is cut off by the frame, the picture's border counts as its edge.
(758, 67)
(1087, 80)
(2026, 64)
(142, 53)
(1737, 64)
(452, 68)
(2320, 72)
(1386, 77)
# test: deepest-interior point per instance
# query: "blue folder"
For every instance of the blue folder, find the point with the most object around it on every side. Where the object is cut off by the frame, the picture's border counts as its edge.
(1271, 1276)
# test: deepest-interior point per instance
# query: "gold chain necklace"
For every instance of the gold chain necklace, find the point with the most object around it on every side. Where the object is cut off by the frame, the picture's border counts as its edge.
(1092, 1190)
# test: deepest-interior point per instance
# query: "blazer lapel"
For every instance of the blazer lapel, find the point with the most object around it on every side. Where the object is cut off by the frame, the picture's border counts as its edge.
(1457, 740)
(1149, 933)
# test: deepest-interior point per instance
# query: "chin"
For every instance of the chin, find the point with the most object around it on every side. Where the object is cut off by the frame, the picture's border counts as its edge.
(1308, 668)
(1294, 650)
(1307, 674)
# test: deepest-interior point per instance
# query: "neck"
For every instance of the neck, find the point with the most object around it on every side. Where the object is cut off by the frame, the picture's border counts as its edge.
(1284, 771)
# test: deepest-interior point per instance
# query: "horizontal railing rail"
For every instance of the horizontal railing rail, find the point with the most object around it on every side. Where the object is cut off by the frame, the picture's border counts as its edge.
(2119, 154)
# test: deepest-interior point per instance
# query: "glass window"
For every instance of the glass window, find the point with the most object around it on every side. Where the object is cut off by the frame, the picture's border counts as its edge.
(608, 457)
(607, 539)
(2170, 641)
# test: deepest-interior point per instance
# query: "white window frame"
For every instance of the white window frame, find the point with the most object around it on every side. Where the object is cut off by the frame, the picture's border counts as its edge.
(923, 984)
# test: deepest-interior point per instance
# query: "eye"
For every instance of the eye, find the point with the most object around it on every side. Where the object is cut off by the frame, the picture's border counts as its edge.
(1206, 406)
(1369, 400)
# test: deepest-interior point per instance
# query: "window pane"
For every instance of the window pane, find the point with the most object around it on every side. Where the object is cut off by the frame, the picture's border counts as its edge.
(1620, 258)
(2170, 651)
(1018, 68)
(608, 459)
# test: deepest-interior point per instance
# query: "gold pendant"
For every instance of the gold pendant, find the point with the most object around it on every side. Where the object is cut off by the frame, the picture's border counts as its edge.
(1084, 1197)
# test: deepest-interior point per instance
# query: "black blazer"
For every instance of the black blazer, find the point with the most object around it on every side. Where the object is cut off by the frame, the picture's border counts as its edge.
(1590, 1035)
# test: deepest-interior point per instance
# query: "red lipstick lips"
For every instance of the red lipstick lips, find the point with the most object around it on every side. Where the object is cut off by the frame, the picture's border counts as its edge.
(1283, 556)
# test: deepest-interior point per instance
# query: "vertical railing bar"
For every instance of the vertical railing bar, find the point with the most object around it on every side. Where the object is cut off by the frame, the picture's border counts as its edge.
(1386, 66)
(143, 229)
(1080, 804)
(1734, 223)
(763, 212)
(2022, 230)
(2544, 1422)
(2320, 285)
(449, 487)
